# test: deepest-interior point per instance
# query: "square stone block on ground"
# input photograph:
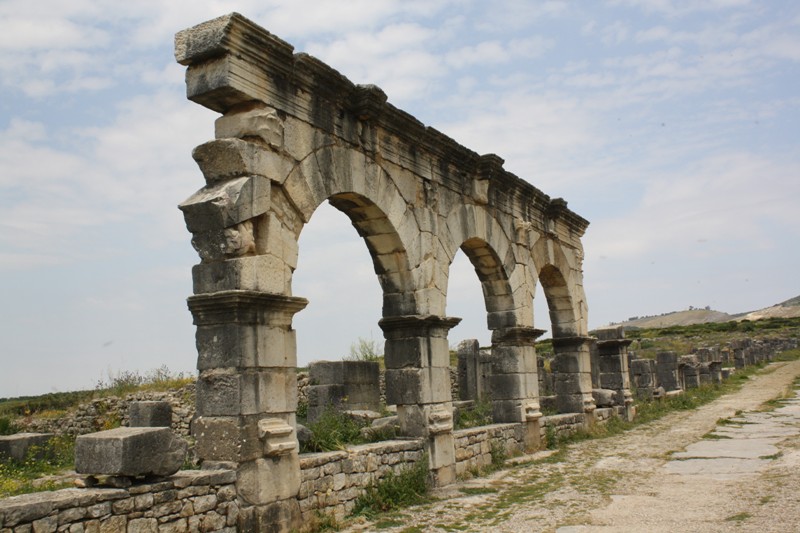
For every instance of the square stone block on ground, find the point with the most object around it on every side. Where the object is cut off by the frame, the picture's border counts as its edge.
(130, 452)
(17, 447)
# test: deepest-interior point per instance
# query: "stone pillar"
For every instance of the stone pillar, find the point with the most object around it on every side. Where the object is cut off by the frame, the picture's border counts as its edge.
(612, 352)
(667, 371)
(247, 397)
(514, 382)
(472, 374)
(690, 372)
(643, 371)
(417, 358)
(343, 385)
(573, 378)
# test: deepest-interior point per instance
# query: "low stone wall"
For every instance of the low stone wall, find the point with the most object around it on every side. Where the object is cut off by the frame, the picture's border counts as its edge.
(196, 500)
(332, 481)
(561, 425)
(474, 446)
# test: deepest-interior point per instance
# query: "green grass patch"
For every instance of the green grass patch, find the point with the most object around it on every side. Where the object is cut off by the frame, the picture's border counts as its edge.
(409, 487)
(387, 523)
(480, 414)
(332, 431)
(740, 517)
(18, 477)
(474, 491)
(715, 436)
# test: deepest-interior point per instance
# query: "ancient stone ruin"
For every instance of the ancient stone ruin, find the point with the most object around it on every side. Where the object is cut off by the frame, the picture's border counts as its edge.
(294, 133)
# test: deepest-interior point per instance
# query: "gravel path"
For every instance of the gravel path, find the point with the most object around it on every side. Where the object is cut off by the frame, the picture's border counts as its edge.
(660, 477)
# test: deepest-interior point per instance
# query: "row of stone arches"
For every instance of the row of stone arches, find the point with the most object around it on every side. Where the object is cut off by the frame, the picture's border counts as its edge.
(294, 134)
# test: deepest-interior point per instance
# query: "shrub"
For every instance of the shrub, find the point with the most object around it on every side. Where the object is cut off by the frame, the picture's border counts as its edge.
(332, 430)
(364, 350)
(7, 426)
(409, 487)
(480, 414)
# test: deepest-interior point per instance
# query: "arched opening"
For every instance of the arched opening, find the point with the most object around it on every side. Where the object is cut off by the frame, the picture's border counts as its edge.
(340, 338)
(482, 381)
(565, 380)
(333, 266)
(559, 302)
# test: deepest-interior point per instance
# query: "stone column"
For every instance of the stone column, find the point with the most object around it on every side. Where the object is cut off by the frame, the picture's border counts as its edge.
(417, 358)
(470, 376)
(514, 381)
(667, 371)
(612, 352)
(247, 398)
(573, 376)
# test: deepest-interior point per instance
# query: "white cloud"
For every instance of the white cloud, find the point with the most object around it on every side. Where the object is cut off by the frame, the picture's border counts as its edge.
(723, 199)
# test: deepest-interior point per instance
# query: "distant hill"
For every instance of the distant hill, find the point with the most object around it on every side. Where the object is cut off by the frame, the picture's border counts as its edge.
(788, 309)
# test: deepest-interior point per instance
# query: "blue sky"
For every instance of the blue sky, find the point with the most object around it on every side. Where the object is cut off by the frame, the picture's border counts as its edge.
(671, 125)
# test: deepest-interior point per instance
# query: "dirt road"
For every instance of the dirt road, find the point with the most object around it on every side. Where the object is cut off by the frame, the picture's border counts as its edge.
(660, 477)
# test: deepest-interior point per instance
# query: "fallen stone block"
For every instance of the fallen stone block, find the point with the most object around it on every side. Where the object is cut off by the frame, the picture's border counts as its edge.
(604, 397)
(18, 446)
(134, 452)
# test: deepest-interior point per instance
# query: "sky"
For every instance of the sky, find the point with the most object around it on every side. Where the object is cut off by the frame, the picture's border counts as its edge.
(671, 125)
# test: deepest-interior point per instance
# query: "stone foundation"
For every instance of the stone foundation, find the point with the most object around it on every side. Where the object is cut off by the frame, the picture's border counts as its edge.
(188, 501)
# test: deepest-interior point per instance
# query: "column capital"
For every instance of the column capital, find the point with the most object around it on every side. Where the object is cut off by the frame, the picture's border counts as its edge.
(417, 325)
(518, 335)
(572, 342)
(244, 307)
(613, 343)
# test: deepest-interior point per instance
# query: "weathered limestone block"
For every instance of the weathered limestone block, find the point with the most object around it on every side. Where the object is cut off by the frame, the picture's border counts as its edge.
(150, 414)
(604, 397)
(473, 370)
(260, 122)
(264, 273)
(227, 438)
(667, 370)
(417, 385)
(348, 385)
(225, 159)
(244, 345)
(227, 392)
(130, 452)
(227, 203)
(18, 446)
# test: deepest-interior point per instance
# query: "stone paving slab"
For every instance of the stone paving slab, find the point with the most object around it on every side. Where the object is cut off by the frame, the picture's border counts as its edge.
(751, 448)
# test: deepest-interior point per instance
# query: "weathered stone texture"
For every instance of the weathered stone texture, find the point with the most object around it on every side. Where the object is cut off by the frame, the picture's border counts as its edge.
(189, 501)
(131, 452)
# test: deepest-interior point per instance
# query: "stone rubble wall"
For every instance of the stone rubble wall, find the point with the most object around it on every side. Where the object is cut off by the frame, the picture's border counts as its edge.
(332, 481)
(197, 500)
(474, 445)
(304, 382)
(111, 411)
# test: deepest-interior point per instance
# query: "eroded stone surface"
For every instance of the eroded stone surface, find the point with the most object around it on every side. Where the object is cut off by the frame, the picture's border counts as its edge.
(138, 451)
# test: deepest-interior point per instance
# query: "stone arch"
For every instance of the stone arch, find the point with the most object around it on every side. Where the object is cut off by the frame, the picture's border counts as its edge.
(502, 269)
(473, 230)
(562, 291)
(368, 196)
(559, 275)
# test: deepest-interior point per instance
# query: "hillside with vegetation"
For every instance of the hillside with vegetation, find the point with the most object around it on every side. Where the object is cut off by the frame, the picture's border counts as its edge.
(787, 309)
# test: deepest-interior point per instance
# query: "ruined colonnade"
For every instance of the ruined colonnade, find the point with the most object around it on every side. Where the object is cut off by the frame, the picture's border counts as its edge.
(294, 133)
